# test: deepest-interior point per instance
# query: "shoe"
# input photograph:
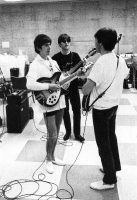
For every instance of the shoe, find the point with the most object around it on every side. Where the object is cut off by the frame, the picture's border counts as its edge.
(100, 185)
(49, 167)
(80, 138)
(58, 162)
(66, 137)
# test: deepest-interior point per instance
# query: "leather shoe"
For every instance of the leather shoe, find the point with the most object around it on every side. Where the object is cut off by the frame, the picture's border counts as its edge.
(66, 136)
(80, 138)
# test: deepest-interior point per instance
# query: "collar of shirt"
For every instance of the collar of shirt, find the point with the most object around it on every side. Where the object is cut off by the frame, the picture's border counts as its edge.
(39, 58)
(46, 62)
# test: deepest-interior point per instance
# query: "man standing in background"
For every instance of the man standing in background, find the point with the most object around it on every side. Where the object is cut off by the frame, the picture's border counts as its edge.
(66, 61)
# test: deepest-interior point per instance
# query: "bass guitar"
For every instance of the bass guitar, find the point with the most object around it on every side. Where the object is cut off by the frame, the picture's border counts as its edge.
(49, 98)
(86, 107)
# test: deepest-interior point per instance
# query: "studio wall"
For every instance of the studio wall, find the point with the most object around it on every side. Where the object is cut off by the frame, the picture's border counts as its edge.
(19, 24)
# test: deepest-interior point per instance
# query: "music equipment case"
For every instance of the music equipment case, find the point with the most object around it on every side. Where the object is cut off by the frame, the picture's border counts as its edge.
(17, 111)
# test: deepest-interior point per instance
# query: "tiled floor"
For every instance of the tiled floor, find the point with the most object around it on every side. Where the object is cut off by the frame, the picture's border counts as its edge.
(22, 155)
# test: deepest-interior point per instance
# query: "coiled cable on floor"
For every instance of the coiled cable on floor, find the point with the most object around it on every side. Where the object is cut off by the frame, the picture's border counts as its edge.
(20, 183)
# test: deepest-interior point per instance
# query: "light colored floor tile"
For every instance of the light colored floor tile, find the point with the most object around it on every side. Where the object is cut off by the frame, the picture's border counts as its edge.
(127, 183)
(126, 134)
(131, 97)
(126, 120)
(126, 110)
(88, 155)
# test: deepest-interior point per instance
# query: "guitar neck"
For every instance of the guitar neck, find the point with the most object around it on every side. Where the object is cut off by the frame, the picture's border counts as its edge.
(78, 65)
(68, 79)
(75, 74)
(75, 67)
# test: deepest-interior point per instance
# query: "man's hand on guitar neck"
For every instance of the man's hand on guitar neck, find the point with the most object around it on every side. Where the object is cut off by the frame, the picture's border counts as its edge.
(82, 71)
(54, 87)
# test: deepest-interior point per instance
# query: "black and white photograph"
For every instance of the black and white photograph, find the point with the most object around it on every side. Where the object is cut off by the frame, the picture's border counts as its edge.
(68, 99)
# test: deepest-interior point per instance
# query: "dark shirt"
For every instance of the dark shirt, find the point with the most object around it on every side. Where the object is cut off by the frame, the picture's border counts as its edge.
(67, 62)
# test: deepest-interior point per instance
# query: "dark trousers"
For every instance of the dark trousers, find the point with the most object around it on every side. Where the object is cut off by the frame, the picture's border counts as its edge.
(74, 98)
(104, 127)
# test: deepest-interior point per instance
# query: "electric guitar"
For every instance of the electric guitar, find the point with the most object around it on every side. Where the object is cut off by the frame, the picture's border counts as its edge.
(50, 98)
(86, 107)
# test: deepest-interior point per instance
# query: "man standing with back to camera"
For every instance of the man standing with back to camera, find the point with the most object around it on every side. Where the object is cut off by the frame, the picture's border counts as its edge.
(66, 61)
(108, 70)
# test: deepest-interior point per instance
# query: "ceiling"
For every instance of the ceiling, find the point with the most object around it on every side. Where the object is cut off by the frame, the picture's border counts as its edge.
(30, 1)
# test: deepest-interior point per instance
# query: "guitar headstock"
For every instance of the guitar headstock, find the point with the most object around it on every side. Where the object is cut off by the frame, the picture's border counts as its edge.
(91, 53)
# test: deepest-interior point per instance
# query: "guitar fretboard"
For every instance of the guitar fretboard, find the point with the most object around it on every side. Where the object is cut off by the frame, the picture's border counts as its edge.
(69, 78)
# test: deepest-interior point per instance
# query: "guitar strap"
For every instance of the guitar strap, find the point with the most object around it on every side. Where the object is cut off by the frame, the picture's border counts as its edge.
(51, 64)
(71, 56)
(100, 95)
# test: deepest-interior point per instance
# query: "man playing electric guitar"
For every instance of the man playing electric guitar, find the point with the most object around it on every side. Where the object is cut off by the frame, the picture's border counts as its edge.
(44, 66)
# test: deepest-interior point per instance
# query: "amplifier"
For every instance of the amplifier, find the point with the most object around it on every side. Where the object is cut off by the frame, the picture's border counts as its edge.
(14, 72)
(17, 117)
(17, 98)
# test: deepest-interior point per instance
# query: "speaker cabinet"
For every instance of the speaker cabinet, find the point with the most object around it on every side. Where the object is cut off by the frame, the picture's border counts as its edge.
(17, 113)
(17, 98)
(14, 72)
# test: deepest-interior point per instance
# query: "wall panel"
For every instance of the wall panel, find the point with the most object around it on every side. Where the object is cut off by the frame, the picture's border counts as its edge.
(19, 24)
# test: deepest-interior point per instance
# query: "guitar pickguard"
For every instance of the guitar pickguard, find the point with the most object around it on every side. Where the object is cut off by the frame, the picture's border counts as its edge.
(52, 98)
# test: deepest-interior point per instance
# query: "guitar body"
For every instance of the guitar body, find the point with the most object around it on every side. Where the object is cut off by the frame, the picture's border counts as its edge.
(47, 97)
(85, 103)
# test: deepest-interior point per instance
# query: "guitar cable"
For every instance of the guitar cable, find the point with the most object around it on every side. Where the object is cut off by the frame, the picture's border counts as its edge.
(59, 191)
(4, 189)
(67, 181)
(60, 137)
